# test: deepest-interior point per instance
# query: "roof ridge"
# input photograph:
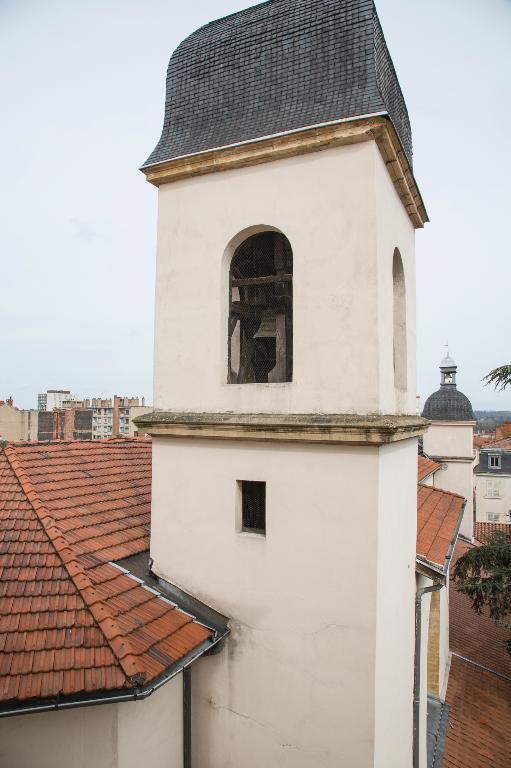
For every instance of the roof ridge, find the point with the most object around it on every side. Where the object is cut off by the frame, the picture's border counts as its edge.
(116, 640)
(441, 490)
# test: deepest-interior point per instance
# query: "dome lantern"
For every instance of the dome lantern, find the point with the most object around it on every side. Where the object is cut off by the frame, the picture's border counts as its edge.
(448, 403)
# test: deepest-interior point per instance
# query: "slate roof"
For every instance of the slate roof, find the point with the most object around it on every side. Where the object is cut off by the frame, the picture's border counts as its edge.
(277, 67)
(426, 467)
(479, 729)
(438, 517)
(71, 621)
(448, 404)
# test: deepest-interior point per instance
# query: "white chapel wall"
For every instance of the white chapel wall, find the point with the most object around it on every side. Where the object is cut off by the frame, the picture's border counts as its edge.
(295, 684)
(395, 637)
(326, 205)
(449, 439)
(394, 231)
(125, 735)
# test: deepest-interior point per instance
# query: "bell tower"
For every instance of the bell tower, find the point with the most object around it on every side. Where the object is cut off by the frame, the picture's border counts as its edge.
(450, 438)
(284, 430)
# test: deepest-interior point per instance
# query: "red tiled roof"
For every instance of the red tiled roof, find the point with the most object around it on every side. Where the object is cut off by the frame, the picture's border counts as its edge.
(480, 441)
(475, 635)
(478, 733)
(99, 493)
(502, 445)
(70, 621)
(425, 467)
(479, 730)
(438, 514)
(483, 530)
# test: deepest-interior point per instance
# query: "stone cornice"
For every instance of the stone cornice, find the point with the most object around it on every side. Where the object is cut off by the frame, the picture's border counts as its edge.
(264, 150)
(339, 429)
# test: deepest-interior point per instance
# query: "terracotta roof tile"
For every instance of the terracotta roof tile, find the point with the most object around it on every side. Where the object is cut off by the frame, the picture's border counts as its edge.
(425, 467)
(474, 635)
(70, 620)
(479, 729)
(483, 530)
(438, 514)
(480, 441)
(501, 445)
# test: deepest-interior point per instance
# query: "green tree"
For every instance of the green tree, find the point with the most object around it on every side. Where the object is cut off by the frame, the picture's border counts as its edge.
(500, 377)
(484, 574)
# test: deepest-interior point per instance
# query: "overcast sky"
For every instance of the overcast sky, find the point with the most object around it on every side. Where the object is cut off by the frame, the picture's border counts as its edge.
(82, 99)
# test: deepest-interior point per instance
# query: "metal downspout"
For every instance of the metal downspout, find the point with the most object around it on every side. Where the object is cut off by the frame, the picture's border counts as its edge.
(187, 717)
(417, 670)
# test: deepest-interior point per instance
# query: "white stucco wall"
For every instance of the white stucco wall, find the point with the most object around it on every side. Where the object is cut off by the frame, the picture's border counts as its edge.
(395, 630)
(452, 439)
(125, 735)
(451, 443)
(343, 219)
(150, 732)
(394, 230)
(487, 506)
(321, 608)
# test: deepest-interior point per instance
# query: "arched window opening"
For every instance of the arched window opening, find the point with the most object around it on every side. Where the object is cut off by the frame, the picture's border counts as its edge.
(261, 310)
(400, 352)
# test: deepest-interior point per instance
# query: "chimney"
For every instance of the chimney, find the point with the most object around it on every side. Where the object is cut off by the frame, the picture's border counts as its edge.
(69, 423)
(115, 426)
(503, 430)
(57, 422)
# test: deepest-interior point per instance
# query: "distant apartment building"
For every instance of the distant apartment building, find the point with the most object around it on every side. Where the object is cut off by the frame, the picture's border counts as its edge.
(115, 417)
(111, 416)
(54, 398)
(17, 424)
(65, 424)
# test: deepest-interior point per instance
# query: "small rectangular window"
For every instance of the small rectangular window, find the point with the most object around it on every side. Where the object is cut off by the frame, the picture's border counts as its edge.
(494, 462)
(253, 506)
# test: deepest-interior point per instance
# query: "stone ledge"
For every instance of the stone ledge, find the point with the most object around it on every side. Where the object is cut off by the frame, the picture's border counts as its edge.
(336, 429)
(299, 142)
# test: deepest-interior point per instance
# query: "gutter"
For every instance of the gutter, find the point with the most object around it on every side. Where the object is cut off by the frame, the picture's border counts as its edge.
(137, 694)
(417, 670)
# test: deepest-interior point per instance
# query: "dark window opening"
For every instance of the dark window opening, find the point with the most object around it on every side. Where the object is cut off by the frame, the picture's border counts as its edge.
(261, 310)
(494, 462)
(253, 506)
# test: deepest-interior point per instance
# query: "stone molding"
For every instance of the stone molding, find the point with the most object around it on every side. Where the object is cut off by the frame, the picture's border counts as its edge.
(336, 429)
(267, 149)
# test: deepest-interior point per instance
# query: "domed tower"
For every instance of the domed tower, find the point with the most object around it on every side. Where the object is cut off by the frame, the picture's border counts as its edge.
(450, 437)
(285, 434)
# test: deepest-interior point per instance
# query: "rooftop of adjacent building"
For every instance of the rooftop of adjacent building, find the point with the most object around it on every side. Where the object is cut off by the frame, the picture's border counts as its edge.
(478, 731)
(73, 622)
(497, 445)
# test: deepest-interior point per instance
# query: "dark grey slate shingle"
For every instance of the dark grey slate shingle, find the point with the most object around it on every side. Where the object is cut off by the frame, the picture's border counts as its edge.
(276, 67)
(448, 404)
